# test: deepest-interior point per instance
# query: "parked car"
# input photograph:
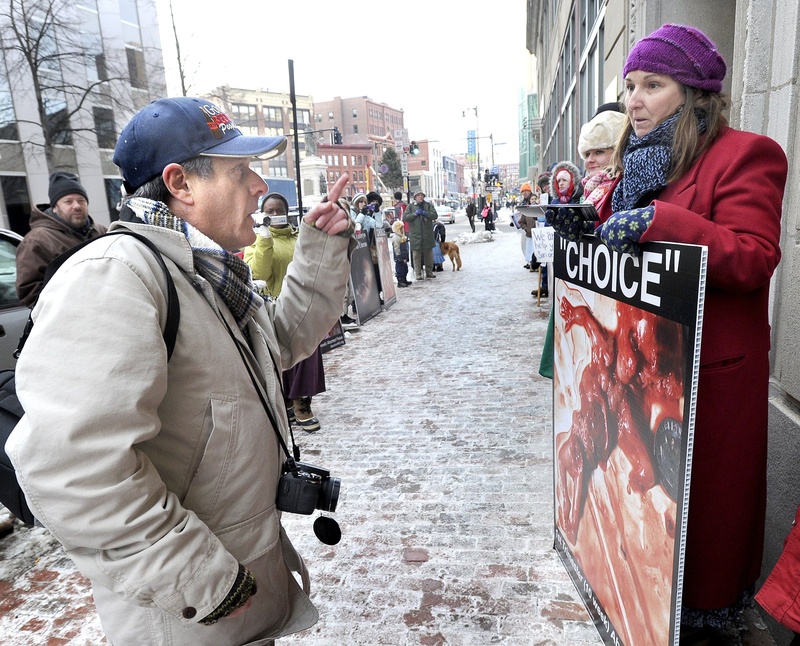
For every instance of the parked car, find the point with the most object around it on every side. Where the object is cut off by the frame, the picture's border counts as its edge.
(13, 314)
(446, 214)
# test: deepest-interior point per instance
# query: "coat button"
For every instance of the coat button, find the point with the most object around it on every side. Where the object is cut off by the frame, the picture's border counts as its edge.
(189, 613)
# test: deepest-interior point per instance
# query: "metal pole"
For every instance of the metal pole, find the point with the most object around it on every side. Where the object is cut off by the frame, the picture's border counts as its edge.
(293, 100)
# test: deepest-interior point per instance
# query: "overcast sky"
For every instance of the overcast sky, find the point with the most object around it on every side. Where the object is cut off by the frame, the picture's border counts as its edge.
(431, 58)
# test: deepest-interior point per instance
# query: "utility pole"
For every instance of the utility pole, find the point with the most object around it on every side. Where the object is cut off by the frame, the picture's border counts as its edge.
(293, 100)
(478, 151)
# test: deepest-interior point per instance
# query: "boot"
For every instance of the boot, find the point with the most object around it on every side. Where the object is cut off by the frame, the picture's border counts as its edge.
(304, 416)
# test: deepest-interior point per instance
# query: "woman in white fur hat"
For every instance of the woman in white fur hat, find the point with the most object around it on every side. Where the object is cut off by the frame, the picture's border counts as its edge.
(596, 145)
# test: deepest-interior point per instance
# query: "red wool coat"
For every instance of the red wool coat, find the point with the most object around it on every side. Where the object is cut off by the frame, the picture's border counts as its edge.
(730, 201)
(780, 594)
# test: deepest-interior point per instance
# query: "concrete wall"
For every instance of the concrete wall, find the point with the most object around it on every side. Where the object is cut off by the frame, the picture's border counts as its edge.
(766, 92)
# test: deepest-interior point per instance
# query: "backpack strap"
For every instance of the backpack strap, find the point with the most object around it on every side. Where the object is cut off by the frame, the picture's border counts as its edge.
(173, 305)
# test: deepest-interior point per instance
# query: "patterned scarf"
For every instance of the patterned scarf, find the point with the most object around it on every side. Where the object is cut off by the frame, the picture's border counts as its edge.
(646, 161)
(228, 275)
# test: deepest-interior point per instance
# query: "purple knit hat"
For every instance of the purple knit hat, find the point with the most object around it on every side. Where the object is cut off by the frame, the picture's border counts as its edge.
(684, 53)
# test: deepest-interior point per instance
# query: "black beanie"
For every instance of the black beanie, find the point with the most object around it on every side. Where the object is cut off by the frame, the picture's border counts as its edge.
(372, 196)
(63, 183)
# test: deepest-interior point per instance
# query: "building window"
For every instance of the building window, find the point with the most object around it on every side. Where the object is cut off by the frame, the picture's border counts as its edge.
(113, 196)
(355, 129)
(17, 201)
(136, 68)
(56, 118)
(303, 119)
(104, 127)
(8, 119)
(359, 160)
(246, 117)
(278, 167)
(330, 116)
(318, 117)
(355, 113)
(273, 116)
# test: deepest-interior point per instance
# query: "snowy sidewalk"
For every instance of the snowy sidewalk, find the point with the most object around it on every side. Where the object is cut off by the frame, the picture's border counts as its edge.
(439, 427)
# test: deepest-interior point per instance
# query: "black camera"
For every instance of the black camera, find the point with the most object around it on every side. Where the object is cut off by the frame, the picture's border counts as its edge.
(304, 488)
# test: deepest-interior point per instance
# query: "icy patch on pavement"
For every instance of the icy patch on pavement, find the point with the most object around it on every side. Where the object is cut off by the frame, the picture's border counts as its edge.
(474, 238)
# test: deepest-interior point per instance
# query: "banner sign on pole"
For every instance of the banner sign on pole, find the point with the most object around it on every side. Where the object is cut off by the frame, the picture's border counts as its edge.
(626, 359)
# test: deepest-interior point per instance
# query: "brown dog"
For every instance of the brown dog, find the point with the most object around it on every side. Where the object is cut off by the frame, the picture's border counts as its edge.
(450, 249)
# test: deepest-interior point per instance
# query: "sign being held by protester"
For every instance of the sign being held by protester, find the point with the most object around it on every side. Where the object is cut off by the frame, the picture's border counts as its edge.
(626, 342)
(543, 243)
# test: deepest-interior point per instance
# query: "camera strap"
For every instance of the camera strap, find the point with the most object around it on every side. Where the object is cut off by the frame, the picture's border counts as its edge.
(295, 454)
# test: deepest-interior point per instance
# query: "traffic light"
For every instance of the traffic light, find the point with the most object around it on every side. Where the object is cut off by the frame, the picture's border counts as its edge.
(337, 136)
(413, 149)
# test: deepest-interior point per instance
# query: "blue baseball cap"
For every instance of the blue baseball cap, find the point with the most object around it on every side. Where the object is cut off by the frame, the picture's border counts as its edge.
(173, 130)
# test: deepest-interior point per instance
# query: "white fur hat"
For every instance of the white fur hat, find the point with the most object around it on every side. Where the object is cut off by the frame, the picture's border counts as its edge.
(601, 132)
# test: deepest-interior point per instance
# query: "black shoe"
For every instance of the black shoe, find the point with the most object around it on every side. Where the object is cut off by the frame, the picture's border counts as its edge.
(346, 320)
(527, 265)
(709, 637)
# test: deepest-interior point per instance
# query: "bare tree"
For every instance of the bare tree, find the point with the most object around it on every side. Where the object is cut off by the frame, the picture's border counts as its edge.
(53, 49)
(181, 72)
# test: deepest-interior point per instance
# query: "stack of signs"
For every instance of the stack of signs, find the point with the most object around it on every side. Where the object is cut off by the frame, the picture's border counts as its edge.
(385, 269)
(626, 357)
(364, 280)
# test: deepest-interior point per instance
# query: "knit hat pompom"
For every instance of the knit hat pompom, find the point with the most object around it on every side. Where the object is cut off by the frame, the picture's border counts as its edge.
(601, 132)
(681, 52)
(63, 183)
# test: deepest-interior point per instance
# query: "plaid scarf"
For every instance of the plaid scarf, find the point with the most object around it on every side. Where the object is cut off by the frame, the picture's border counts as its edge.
(228, 275)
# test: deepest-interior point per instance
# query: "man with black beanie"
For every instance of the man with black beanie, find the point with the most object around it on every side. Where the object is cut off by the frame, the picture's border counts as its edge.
(55, 228)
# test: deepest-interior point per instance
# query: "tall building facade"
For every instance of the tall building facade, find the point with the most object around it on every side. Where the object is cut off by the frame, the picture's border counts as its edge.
(353, 159)
(360, 119)
(581, 46)
(260, 112)
(94, 63)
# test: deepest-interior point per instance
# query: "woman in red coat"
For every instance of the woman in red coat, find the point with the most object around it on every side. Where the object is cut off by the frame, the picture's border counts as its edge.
(687, 177)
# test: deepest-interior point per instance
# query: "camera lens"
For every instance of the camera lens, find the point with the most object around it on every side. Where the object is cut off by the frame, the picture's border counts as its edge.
(329, 494)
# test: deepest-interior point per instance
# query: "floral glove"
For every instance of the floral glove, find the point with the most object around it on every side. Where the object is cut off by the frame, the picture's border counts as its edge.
(568, 224)
(623, 230)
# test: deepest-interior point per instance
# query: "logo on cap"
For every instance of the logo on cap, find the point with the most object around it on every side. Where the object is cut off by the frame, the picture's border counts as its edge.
(218, 122)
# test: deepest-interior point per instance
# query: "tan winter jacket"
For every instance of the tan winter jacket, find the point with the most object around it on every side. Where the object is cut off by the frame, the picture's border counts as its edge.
(160, 477)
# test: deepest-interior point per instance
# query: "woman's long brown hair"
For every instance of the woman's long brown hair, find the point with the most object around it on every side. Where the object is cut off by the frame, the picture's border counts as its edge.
(687, 145)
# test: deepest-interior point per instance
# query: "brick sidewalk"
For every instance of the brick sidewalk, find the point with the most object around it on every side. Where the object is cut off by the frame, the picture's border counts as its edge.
(439, 426)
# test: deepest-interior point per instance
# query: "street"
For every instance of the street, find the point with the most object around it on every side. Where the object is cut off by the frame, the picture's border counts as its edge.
(439, 427)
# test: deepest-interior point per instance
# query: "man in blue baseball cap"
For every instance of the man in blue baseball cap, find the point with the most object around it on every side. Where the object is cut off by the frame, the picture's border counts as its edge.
(161, 480)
